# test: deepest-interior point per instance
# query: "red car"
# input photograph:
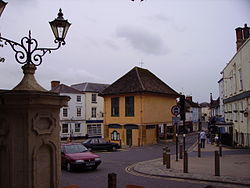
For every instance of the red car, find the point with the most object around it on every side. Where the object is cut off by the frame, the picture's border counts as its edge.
(76, 155)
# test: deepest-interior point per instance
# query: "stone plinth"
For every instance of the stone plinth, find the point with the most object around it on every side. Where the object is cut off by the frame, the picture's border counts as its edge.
(29, 139)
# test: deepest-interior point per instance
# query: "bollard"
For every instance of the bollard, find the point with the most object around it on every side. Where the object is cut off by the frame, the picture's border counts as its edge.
(185, 162)
(217, 163)
(112, 180)
(164, 155)
(199, 149)
(184, 142)
(176, 147)
(181, 152)
(220, 150)
(168, 160)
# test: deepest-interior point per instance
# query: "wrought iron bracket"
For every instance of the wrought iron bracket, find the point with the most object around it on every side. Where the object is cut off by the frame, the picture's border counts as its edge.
(27, 52)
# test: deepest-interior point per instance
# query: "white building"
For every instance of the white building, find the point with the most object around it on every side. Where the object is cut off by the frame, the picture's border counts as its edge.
(72, 117)
(205, 111)
(236, 80)
(94, 105)
(193, 114)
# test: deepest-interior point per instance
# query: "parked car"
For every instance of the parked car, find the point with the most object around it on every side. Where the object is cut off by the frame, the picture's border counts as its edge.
(100, 144)
(76, 155)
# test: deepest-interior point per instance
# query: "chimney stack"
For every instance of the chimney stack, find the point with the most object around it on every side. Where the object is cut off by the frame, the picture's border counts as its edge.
(54, 84)
(189, 98)
(242, 34)
(246, 32)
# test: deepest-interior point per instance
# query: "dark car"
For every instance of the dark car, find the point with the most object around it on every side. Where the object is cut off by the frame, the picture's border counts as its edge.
(76, 155)
(100, 144)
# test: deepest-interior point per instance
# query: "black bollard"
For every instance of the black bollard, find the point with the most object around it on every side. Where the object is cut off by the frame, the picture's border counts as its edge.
(176, 147)
(199, 150)
(217, 163)
(168, 160)
(164, 155)
(112, 180)
(184, 142)
(220, 150)
(185, 162)
(181, 152)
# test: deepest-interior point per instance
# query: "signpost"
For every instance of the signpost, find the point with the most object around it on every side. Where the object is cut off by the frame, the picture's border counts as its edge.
(176, 111)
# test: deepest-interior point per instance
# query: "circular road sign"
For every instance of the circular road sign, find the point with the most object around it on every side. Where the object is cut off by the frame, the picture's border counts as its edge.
(175, 110)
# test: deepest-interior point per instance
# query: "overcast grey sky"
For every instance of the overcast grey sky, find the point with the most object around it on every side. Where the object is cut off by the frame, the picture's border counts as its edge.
(186, 43)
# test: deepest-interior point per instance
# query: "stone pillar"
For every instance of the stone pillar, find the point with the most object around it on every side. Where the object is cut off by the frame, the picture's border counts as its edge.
(29, 137)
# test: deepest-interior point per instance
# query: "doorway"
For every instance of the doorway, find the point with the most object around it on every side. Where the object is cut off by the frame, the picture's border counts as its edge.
(129, 137)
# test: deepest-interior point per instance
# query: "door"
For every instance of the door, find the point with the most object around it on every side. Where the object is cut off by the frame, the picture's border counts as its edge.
(129, 137)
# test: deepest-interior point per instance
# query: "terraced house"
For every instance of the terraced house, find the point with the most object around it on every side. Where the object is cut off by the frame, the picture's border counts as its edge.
(135, 106)
(236, 89)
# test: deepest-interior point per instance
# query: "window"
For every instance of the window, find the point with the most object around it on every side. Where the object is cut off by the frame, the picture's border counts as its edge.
(65, 128)
(65, 112)
(93, 112)
(78, 98)
(93, 98)
(129, 106)
(77, 127)
(115, 135)
(241, 81)
(78, 111)
(94, 130)
(231, 82)
(235, 112)
(115, 106)
(241, 111)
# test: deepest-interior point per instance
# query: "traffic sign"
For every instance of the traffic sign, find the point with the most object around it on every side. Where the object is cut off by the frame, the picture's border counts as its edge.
(175, 110)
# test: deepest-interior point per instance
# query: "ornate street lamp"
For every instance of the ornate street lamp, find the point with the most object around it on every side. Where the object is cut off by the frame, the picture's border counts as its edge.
(30, 55)
(60, 27)
(28, 52)
(2, 6)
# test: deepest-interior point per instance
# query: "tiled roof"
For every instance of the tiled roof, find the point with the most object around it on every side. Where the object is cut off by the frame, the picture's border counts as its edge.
(65, 89)
(139, 80)
(90, 87)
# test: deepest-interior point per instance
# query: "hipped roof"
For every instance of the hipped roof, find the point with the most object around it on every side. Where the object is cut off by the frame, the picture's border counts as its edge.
(62, 88)
(139, 80)
(90, 87)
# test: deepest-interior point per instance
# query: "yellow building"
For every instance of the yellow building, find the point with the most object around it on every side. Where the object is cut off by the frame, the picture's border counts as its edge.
(135, 106)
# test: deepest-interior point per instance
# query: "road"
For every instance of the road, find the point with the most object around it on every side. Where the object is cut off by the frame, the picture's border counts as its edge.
(116, 162)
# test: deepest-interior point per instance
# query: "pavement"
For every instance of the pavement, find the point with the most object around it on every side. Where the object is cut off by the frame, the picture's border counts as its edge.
(234, 166)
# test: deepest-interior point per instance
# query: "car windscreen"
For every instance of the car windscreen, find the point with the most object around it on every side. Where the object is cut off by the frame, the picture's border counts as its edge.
(75, 148)
(87, 141)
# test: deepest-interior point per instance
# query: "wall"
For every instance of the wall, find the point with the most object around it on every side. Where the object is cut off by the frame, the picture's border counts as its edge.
(237, 98)
(156, 109)
(72, 117)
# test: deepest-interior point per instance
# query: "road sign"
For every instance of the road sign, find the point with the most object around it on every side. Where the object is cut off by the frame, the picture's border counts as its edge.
(175, 110)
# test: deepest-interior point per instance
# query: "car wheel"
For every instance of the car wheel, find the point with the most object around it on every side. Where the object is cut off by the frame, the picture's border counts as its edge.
(114, 148)
(68, 167)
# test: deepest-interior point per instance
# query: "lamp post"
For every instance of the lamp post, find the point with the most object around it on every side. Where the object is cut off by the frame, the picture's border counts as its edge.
(35, 161)
(30, 55)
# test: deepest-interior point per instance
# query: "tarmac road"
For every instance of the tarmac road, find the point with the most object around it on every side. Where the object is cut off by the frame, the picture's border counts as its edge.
(117, 162)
